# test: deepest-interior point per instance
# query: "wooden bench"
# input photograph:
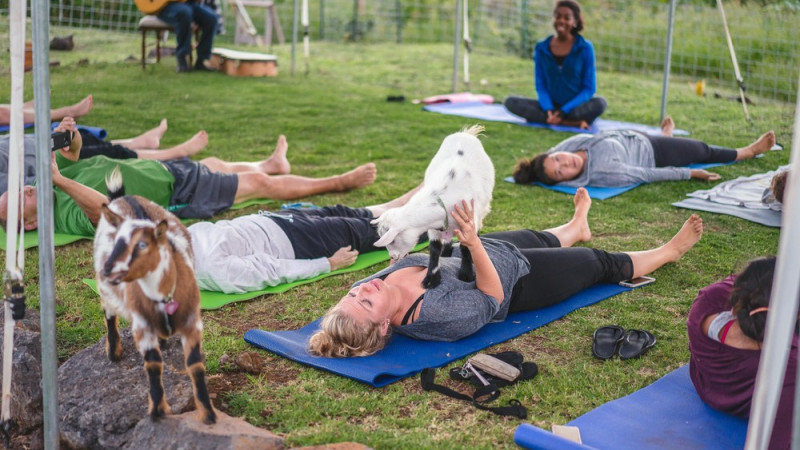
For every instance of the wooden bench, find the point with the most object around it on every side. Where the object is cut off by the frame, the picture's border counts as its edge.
(244, 64)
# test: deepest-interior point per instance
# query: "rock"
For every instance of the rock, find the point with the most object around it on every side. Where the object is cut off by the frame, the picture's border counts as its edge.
(26, 402)
(186, 431)
(100, 402)
(250, 362)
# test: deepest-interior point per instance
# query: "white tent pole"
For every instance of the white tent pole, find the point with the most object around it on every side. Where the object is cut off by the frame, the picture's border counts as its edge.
(304, 22)
(739, 78)
(15, 261)
(295, 19)
(783, 305)
(667, 59)
(456, 43)
(40, 14)
(467, 44)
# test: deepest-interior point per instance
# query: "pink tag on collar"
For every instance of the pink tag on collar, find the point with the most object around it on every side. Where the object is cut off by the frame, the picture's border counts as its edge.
(170, 307)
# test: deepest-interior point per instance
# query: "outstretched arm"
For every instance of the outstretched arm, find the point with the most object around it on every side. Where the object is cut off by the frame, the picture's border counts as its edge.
(486, 277)
(89, 200)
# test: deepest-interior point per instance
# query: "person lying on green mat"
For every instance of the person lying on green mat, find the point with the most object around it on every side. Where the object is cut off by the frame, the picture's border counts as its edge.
(189, 188)
(252, 252)
(622, 158)
(144, 146)
(514, 271)
(726, 327)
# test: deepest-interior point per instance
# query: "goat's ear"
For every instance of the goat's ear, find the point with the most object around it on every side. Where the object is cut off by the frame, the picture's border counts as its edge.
(161, 231)
(112, 218)
(387, 237)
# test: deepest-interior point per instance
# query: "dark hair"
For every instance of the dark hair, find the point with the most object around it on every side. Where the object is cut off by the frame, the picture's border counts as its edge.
(576, 11)
(532, 170)
(778, 185)
(752, 290)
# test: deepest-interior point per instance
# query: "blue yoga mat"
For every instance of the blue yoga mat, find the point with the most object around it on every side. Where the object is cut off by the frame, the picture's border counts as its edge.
(498, 113)
(602, 193)
(101, 133)
(404, 357)
(666, 414)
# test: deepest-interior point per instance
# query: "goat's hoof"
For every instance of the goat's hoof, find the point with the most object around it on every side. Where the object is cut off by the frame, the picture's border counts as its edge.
(431, 280)
(467, 277)
(115, 356)
(209, 417)
(156, 415)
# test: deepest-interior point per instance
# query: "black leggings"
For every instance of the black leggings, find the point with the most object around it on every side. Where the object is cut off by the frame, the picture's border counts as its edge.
(680, 152)
(315, 233)
(558, 273)
(532, 111)
(93, 146)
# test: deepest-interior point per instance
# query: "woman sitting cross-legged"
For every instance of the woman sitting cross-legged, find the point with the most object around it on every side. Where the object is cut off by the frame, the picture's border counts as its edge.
(726, 329)
(515, 271)
(622, 158)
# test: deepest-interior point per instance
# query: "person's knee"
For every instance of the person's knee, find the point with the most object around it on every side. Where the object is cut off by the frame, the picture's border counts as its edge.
(601, 104)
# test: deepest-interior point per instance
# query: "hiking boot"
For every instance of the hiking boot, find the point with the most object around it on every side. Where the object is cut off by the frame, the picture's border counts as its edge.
(183, 65)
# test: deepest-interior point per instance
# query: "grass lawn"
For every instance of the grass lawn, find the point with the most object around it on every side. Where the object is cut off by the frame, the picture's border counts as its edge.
(335, 118)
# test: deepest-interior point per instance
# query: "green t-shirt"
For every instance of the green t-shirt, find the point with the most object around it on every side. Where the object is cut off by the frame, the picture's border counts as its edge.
(144, 177)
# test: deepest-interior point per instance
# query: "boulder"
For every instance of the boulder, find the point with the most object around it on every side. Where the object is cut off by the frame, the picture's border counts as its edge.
(26, 390)
(101, 402)
(186, 431)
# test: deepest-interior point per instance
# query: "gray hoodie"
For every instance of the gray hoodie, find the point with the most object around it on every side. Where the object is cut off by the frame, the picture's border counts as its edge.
(617, 158)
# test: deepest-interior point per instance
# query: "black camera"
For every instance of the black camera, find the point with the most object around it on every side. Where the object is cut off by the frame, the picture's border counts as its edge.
(59, 140)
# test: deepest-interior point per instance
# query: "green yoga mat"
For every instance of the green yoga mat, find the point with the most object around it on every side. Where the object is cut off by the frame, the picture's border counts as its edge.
(32, 239)
(216, 300)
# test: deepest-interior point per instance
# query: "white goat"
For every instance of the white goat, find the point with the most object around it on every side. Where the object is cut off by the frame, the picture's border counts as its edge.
(460, 170)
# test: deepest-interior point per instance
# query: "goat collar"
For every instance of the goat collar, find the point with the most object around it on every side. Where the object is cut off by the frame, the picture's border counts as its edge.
(446, 218)
(170, 305)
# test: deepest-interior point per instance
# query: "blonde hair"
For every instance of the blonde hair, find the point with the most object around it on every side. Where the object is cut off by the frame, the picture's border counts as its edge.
(340, 336)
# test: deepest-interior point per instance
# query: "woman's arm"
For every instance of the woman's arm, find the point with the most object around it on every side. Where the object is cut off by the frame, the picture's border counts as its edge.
(486, 278)
(540, 78)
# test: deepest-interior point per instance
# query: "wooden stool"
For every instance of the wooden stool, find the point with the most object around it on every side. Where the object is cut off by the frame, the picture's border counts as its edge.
(244, 64)
(153, 23)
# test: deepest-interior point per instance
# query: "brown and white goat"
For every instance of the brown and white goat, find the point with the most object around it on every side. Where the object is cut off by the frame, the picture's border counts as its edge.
(144, 266)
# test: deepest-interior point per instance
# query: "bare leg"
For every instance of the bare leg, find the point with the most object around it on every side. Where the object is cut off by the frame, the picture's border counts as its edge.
(188, 148)
(77, 110)
(276, 164)
(577, 229)
(289, 187)
(761, 145)
(149, 140)
(667, 126)
(647, 261)
(377, 210)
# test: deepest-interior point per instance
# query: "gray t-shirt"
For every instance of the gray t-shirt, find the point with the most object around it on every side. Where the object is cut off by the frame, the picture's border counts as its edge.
(617, 158)
(29, 145)
(455, 309)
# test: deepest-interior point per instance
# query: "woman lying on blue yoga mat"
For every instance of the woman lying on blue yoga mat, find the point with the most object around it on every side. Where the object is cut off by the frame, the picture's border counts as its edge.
(514, 271)
(621, 158)
(726, 330)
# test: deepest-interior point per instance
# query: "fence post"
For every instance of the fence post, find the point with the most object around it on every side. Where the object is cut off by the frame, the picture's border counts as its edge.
(456, 43)
(398, 8)
(667, 59)
(321, 20)
(523, 34)
(295, 20)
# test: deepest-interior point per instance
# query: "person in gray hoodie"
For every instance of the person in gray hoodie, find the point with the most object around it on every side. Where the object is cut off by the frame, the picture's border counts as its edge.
(621, 158)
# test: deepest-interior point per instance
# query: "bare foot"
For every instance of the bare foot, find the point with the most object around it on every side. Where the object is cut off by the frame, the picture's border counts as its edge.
(689, 234)
(151, 139)
(82, 108)
(580, 219)
(193, 145)
(359, 177)
(278, 163)
(667, 126)
(761, 145)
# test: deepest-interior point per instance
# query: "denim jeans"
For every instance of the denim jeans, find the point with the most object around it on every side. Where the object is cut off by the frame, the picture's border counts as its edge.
(181, 16)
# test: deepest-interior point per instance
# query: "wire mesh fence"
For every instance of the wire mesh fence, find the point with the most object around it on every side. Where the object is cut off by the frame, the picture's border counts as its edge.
(628, 36)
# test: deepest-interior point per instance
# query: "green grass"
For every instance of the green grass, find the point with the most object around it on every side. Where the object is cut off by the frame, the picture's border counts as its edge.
(336, 118)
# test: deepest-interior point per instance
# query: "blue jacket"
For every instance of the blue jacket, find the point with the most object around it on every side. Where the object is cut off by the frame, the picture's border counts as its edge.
(567, 86)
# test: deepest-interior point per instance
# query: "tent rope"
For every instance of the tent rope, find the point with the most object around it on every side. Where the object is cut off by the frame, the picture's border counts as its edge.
(736, 70)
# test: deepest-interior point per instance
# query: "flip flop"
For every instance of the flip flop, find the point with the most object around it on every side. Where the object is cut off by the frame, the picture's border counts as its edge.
(635, 343)
(605, 341)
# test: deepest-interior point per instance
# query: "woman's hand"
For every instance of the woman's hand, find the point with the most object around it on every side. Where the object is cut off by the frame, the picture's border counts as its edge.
(554, 117)
(700, 174)
(68, 125)
(466, 232)
(344, 257)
